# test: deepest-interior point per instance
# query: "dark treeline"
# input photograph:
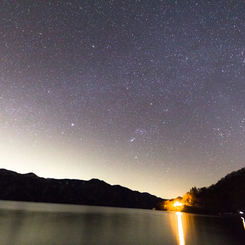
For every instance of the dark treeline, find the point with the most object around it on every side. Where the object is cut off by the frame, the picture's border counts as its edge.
(227, 195)
(29, 187)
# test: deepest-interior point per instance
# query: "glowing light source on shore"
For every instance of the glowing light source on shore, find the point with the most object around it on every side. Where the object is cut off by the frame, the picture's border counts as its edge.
(178, 204)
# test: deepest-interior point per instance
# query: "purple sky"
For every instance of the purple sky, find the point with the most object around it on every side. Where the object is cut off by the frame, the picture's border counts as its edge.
(146, 94)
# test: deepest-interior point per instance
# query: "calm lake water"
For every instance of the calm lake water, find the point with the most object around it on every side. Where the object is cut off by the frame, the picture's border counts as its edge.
(38, 223)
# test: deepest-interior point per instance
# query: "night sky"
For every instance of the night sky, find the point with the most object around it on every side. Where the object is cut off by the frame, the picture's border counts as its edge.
(146, 94)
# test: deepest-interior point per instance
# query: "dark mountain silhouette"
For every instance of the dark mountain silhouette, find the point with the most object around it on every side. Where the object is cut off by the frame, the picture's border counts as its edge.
(29, 187)
(227, 195)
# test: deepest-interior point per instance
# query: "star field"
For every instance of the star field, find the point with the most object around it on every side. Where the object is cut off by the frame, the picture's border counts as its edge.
(146, 94)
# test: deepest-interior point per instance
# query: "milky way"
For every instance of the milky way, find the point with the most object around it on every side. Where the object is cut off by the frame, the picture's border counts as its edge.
(146, 94)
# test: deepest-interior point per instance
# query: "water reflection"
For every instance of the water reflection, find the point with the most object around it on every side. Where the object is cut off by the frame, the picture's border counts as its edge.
(243, 222)
(180, 229)
(36, 223)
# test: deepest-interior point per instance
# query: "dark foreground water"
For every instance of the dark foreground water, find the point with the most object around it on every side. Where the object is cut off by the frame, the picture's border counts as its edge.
(37, 223)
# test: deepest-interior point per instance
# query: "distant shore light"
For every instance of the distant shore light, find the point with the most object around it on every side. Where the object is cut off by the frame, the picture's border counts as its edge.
(177, 204)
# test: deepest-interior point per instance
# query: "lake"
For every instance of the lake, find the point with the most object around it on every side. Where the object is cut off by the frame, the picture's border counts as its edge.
(39, 223)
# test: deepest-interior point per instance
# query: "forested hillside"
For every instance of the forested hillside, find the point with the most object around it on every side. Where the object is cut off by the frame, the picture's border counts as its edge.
(227, 195)
(29, 187)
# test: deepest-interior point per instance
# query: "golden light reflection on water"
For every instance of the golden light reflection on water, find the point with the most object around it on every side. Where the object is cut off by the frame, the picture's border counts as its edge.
(243, 222)
(180, 229)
